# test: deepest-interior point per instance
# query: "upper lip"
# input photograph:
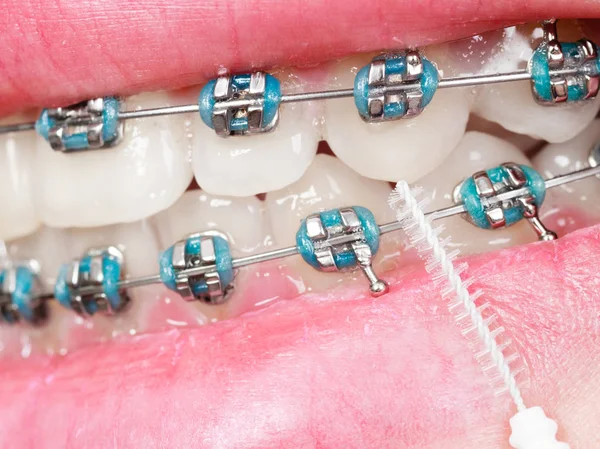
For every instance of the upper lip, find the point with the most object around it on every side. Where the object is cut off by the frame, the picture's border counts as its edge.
(173, 44)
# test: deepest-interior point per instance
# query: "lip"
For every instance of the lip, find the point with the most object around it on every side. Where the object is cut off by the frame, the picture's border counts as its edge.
(166, 45)
(319, 371)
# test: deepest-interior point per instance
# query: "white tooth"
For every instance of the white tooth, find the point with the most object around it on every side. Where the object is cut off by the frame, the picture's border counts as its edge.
(48, 246)
(17, 152)
(328, 184)
(476, 151)
(393, 150)
(248, 165)
(240, 219)
(466, 56)
(67, 330)
(142, 175)
(512, 105)
(574, 205)
(137, 240)
(526, 144)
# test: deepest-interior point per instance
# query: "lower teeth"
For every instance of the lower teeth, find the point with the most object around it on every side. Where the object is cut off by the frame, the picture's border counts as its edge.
(201, 267)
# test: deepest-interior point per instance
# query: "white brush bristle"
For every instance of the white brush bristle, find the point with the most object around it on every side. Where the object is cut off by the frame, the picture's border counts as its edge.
(472, 318)
(531, 429)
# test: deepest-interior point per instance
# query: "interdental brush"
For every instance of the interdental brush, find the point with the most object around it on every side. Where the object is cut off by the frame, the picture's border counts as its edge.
(531, 428)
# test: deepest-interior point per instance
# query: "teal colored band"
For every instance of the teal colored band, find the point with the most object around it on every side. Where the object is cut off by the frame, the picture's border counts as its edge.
(394, 65)
(79, 141)
(239, 84)
(223, 264)
(475, 209)
(540, 72)
(331, 219)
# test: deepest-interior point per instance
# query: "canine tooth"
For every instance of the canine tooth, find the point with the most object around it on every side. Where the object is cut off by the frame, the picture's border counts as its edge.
(575, 205)
(393, 150)
(476, 151)
(513, 106)
(327, 184)
(142, 175)
(17, 152)
(249, 165)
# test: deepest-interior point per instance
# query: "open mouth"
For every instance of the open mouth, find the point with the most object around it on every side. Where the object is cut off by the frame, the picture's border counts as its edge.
(286, 355)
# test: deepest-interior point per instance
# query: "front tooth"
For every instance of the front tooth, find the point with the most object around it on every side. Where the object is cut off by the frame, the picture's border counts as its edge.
(574, 205)
(393, 150)
(142, 175)
(328, 184)
(240, 219)
(17, 152)
(475, 152)
(513, 106)
(249, 165)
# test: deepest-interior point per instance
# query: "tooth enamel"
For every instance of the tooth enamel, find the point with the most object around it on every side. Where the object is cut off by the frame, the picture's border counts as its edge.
(249, 165)
(327, 184)
(240, 219)
(476, 151)
(575, 205)
(466, 56)
(526, 144)
(512, 105)
(393, 150)
(48, 246)
(17, 152)
(142, 175)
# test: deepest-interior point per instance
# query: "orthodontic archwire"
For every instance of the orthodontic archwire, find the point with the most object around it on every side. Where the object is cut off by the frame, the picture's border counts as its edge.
(393, 86)
(201, 267)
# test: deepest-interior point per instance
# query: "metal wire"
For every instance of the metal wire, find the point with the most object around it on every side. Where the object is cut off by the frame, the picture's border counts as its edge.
(383, 229)
(444, 83)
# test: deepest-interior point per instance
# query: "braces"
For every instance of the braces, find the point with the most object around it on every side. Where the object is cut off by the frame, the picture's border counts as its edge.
(392, 87)
(200, 267)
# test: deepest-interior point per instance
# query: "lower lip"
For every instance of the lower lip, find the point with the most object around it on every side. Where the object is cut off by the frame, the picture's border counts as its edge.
(341, 370)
